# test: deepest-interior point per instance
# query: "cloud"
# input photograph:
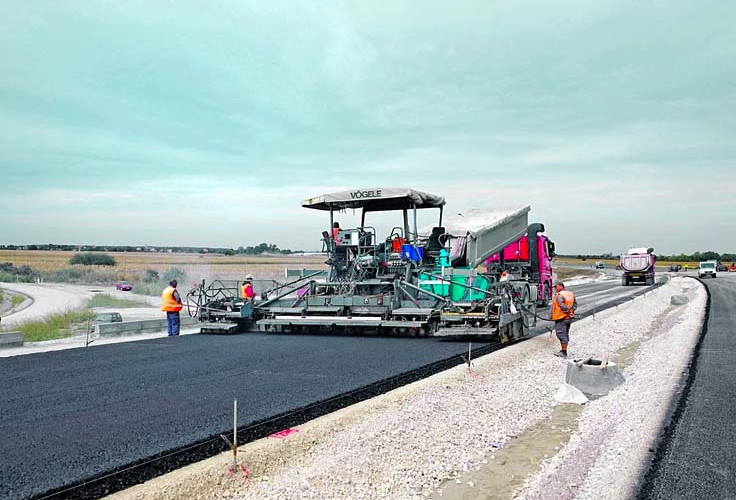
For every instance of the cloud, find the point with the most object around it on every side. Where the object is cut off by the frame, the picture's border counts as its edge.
(234, 112)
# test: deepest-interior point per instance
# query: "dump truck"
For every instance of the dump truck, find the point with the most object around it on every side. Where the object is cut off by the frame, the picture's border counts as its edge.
(638, 266)
(518, 260)
(399, 281)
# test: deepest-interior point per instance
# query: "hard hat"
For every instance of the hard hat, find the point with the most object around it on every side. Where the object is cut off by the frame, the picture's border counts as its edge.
(248, 277)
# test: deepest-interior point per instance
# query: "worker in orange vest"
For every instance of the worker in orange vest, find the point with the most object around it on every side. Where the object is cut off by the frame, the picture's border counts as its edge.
(563, 311)
(171, 303)
(246, 291)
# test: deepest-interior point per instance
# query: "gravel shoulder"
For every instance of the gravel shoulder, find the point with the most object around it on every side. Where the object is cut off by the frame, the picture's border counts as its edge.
(419, 440)
(616, 435)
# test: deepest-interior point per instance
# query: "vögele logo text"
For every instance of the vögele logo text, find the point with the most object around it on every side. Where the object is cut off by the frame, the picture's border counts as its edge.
(365, 194)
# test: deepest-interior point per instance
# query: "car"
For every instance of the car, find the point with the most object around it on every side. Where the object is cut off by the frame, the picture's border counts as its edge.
(600, 265)
(732, 268)
(104, 317)
(124, 286)
(107, 317)
(721, 268)
(675, 268)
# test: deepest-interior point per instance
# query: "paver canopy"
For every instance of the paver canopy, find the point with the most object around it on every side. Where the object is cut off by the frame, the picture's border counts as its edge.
(375, 200)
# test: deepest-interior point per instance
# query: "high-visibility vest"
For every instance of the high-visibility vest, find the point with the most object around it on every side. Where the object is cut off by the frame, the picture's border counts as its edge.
(397, 244)
(168, 302)
(557, 312)
(247, 291)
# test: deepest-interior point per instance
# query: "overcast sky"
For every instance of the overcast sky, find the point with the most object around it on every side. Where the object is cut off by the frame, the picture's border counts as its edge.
(206, 123)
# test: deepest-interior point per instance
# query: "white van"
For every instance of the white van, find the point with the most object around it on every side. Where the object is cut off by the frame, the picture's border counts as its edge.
(707, 268)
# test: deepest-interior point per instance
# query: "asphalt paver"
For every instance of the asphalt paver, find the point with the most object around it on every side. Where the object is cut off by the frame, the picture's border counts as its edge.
(697, 459)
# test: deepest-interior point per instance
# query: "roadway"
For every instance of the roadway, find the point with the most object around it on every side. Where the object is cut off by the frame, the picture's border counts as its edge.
(74, 414)
(697, 458)
(53, 298)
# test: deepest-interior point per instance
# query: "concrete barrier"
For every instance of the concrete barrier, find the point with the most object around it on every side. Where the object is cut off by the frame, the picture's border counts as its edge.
(11, 339)
(593, 377)
(135, 327)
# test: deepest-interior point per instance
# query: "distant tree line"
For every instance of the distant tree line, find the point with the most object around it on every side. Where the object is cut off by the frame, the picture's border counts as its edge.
(263, 248)
(250, 250)
(700, 256)
(693, 257)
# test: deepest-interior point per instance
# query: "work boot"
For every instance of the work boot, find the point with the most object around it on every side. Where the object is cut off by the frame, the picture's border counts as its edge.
(561, 354)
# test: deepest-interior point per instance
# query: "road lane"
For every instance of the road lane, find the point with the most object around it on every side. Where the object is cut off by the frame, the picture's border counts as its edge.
(697, 459)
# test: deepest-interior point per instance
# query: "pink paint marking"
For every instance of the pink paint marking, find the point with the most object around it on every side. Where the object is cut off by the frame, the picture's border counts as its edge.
(243, 469)
(284, 434)
(475, 375)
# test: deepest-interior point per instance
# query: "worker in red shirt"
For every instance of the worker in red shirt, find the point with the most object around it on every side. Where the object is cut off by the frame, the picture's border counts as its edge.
(247, 289)
(336, 234)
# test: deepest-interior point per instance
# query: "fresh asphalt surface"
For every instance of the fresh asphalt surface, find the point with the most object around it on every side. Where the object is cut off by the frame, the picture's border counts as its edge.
(698, 457)
(70, 415)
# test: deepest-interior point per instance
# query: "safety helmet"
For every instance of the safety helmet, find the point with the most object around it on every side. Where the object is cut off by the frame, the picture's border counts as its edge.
(248, 277)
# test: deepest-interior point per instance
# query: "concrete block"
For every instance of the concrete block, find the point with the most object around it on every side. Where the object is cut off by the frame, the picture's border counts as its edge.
(11, 339)
(570, 394)
(679, 300)
(593, 377)
(136, 327)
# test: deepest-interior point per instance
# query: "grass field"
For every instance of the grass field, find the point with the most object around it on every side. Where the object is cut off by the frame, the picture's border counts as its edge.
(564, 273)
(107, 300)
(133, 266)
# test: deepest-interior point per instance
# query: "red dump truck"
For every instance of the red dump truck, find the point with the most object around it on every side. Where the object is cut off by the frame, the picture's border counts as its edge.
(638, 266)
(536, 266)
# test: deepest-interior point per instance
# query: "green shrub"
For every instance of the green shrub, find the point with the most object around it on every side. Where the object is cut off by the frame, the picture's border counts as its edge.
(107, 300)
(17, 300)
(14, 278)
(54, 326)
(173, 273)
(154, 288)
(151, 289)
(152, 276)
(92, 259)
(12, 273)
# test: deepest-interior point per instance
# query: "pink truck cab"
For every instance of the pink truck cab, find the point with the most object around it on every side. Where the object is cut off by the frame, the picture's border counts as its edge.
(536, 267)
